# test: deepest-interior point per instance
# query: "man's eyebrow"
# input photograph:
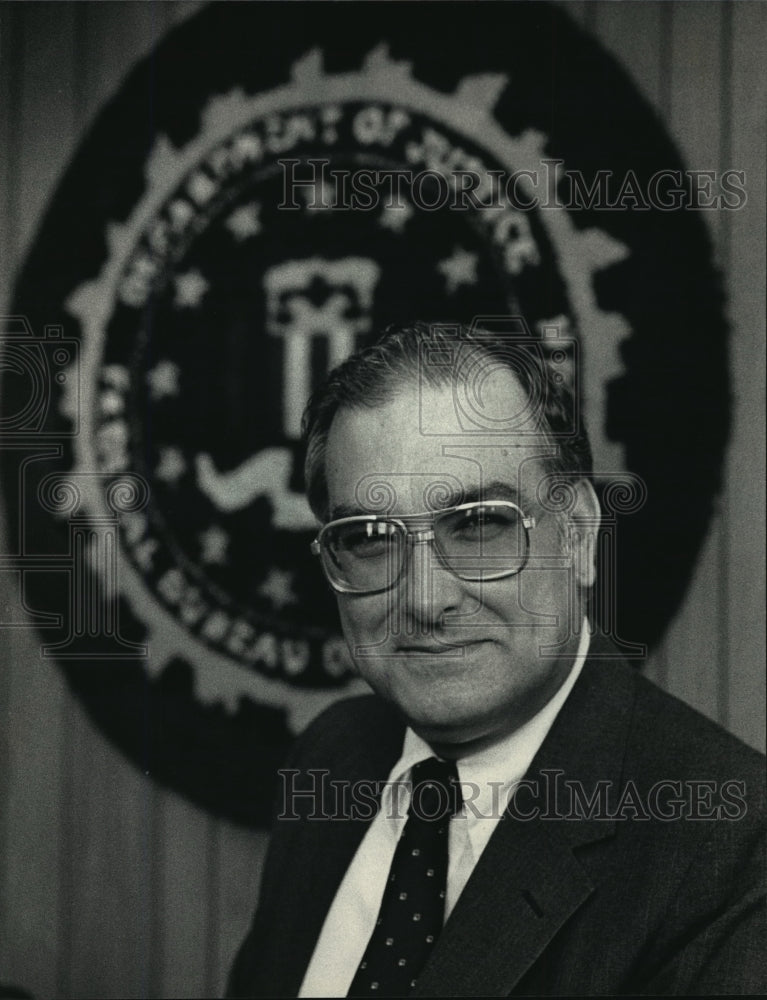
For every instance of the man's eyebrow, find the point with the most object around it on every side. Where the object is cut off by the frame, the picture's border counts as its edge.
(496, 489)
(346, 510)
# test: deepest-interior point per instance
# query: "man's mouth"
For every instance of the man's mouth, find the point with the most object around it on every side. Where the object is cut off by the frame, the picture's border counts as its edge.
(436, 648)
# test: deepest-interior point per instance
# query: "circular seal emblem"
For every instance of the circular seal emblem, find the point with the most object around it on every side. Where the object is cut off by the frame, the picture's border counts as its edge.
(186, 293)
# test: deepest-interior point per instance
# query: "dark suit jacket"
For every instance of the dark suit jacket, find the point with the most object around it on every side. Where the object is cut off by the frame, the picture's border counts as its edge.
(581, 900)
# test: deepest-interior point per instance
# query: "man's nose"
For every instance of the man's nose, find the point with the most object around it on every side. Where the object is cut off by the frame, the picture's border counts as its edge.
(428, 589)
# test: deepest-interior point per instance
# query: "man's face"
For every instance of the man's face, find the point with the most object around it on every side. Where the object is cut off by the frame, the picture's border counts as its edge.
(462, 661)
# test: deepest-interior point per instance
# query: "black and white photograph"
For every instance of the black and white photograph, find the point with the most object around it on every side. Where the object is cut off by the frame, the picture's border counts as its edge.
(382, 498)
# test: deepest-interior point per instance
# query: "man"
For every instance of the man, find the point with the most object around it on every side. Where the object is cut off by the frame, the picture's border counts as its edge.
(608, 839)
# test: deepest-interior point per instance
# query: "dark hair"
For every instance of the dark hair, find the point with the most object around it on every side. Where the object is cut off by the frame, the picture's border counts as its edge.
(435, 354)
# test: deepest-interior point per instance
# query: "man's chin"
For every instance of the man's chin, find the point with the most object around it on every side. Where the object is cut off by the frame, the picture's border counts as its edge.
(458, 743)
(455, 726)
(449, 729)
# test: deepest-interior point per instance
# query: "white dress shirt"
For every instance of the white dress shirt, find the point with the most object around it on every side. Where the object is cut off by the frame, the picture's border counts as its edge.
(487, 779)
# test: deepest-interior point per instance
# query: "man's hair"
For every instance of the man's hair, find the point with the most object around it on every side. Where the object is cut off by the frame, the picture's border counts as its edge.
(373, 376)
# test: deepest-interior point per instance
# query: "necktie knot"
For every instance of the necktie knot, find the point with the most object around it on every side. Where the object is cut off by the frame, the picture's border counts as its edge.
(436, 792)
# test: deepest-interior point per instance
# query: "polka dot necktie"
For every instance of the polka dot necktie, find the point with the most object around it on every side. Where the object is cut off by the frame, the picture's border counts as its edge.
(413, 905)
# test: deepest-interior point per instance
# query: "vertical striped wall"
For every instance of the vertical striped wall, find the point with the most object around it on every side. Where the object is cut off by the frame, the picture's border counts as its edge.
(110, 886)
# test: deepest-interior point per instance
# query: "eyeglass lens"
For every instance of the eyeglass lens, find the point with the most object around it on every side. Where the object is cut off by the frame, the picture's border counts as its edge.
(478, 542)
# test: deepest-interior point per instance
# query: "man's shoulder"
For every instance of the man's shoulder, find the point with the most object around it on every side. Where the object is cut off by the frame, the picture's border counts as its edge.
(687, 733)
(359, 733)
(354, 716)
(668, 740)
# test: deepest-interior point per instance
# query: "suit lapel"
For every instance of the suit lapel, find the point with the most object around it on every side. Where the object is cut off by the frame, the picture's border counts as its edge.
(506, 916)
(528, 881)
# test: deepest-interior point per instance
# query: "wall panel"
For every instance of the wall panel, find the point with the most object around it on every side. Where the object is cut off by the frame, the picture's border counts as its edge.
(185, 839)
(32, 786)
(695, 666)
(48, 127)
(744, 510)
(112, 854)
(11, 61)
(240, 865)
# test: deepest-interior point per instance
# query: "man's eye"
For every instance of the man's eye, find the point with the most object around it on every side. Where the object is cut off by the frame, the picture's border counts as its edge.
(364, 545)
(478, 523)
(485, 523)
(366, 541)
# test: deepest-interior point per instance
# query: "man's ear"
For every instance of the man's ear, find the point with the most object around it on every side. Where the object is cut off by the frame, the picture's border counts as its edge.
(584, 520)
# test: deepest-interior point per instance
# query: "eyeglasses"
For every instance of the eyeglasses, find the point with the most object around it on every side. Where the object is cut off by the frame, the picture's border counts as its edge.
(476, 541)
